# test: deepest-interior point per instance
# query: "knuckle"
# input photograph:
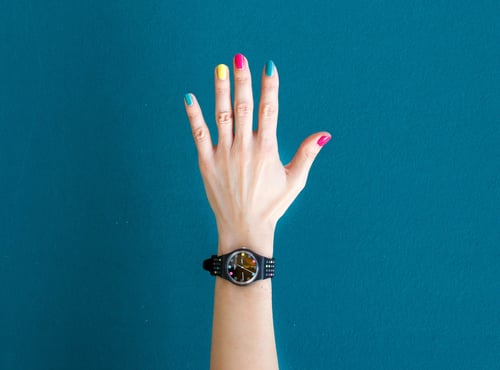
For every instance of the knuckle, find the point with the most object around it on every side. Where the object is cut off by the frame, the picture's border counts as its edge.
(309, 155)
(268, 110)
(301, 183)
(200, 134)
(297, 184)
(268, 144)
(193, 114)
(224, 118)
(204, 166)
(244, 158)
(270, 88)
(221, 90)
(241, 78)
(243, 109)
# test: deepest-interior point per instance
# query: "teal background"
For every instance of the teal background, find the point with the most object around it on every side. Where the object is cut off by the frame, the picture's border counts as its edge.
(389, 259)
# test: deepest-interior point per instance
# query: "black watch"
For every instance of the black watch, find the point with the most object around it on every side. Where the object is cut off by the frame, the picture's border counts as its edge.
(240, 267)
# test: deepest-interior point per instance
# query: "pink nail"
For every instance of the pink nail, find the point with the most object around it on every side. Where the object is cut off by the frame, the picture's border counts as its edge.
(239, 61)
(323, 140)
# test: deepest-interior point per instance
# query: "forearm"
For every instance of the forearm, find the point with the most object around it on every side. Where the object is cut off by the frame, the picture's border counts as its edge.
(243, 331)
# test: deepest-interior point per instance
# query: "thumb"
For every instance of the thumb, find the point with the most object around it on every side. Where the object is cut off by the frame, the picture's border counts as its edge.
(298, 168)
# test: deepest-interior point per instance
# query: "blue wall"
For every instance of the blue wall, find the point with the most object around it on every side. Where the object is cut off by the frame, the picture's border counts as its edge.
(390, 258)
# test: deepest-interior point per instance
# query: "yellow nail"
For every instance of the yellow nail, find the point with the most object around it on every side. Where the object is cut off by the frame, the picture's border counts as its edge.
(221, 72)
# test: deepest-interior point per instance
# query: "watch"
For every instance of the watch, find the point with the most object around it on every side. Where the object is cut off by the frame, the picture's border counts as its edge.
(241, 267)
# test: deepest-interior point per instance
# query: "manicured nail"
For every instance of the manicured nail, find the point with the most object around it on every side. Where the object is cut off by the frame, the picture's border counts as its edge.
(239, 61)
(189, 99)
(323, 140)
(221, 72)
(269, 68)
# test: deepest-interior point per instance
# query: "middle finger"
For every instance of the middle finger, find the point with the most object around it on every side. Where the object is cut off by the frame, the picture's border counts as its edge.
(243, 99)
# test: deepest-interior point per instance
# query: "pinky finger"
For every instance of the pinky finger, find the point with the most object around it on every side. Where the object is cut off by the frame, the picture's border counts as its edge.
(201, 134)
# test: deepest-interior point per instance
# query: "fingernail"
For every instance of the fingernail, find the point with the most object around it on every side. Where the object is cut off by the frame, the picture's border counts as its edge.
(269, 68)
(189, 99)
(221, 72)
(323, 140)
(239, 61)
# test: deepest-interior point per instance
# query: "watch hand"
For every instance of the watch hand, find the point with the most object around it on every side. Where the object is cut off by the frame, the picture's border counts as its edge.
(253, 273)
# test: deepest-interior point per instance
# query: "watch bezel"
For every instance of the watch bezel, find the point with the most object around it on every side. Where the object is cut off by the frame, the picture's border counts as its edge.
(257, 265)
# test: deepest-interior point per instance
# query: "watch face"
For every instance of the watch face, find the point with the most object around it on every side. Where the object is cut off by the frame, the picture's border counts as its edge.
(242, 267)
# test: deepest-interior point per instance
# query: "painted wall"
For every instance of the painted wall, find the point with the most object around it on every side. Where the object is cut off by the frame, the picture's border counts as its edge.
(390, 258)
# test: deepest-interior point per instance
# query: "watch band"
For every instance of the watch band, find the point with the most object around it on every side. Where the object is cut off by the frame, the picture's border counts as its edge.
(268, 268)
(218, 266)
(213, 265)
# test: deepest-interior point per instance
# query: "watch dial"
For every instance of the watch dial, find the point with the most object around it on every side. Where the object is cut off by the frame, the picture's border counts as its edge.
(242, 267)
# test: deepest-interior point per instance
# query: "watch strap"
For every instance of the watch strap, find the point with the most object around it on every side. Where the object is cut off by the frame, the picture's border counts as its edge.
(268, 268)
(213, 265)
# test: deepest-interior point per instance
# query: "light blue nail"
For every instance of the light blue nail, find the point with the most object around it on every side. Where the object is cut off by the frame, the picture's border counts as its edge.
(269, 68)
(189, 99)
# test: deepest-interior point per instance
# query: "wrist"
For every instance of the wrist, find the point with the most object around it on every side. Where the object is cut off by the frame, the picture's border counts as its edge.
(258, 239)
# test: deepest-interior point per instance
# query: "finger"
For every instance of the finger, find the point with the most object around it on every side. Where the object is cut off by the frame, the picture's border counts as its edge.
(223, 110)
(298, 168)
(199, 128)
(243, 100)
(268, 106)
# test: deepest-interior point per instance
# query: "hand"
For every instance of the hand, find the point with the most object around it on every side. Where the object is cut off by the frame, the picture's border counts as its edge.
(247, 186)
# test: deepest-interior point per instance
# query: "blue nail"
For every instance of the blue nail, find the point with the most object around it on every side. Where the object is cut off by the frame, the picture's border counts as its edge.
(269, 68)
(189, 99)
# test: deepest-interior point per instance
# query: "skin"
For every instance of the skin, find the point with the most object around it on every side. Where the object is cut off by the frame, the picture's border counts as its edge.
(249, 189)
